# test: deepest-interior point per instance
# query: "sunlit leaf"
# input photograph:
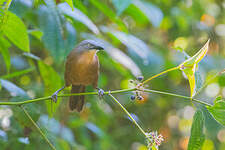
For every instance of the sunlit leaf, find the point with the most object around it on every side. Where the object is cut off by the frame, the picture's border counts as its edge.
(190, 73)
(30, 55)
(4, 45)
(121, 5)
(218, 110)
(76, 14)
(13, 89)
(36, 33)
(109, 13)
(152, 12)
(70, 2)
(119, 56)
(52, 82)
(197, 136)
(4, 5)
(15, 30)
(190, 66)
(197, 57)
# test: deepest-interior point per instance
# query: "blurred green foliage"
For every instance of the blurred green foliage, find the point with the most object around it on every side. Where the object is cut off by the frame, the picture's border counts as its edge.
(141, 37)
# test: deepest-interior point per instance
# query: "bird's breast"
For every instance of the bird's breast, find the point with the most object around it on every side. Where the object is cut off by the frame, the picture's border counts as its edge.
(84, 69)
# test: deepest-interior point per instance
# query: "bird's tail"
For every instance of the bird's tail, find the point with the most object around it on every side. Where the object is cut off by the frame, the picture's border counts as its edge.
(77, 102)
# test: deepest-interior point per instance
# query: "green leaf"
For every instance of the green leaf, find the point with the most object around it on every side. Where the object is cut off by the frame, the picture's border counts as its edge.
(109, 13)
(137, 15)
(153, 13)
(36, 33)
(70, 37)
(50, 24)
(15, 30)
(59, 35)
(198, 81)
(4, 5)
(218, 110)
(197, 136)
(77, 15)
(70, 2)
(4, 45)
(121, 5)
(52, 82)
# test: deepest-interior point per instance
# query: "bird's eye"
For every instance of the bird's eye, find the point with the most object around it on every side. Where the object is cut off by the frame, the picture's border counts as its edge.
(89, 45)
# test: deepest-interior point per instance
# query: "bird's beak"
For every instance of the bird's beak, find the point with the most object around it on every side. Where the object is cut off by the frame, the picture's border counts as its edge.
(98, 48)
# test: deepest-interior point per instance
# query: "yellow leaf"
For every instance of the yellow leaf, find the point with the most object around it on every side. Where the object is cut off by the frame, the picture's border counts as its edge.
(197, 57)
(189, 66)
(190, 73)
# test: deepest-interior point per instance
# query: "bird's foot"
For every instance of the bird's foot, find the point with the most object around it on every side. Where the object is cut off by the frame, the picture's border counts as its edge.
(54, 96)
(100, 93)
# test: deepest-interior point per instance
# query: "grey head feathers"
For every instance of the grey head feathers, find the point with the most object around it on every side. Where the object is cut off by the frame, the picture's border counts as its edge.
(89, 45)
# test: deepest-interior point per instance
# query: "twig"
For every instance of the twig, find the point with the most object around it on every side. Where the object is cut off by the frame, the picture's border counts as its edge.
(63, 95)
(161, 73)
(124, 109)
(33, 122)
(176, 95)
(106, 93)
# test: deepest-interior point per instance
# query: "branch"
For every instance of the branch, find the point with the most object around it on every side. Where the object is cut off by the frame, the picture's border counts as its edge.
(63, 95)
(106, 93)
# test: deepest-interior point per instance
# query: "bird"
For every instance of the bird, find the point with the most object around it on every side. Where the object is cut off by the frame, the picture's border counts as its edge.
(81, 70)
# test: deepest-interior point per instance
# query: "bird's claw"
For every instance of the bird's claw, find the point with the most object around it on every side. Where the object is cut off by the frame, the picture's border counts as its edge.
(100, 93)
(54, 97)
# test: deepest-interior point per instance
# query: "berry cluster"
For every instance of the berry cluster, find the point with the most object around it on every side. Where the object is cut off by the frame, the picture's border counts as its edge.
(138, 85)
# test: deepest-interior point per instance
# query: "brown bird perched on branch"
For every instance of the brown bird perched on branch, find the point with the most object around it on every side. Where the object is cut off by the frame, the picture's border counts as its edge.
(82, 69)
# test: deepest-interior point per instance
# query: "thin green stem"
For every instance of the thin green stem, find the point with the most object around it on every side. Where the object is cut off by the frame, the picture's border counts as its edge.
(63, 95)
(176, 95)
(161, 73)
(15, 74)
(33, 122)
(124, 109)
(106, 93)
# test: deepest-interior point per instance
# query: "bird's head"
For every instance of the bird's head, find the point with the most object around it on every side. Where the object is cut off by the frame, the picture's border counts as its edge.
(89, 45)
